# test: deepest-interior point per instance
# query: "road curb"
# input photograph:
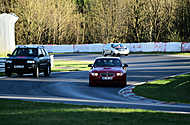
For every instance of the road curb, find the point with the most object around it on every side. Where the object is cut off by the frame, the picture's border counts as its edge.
(127, 92)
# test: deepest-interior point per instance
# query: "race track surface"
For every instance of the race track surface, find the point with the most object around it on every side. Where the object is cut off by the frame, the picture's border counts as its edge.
(72, 87)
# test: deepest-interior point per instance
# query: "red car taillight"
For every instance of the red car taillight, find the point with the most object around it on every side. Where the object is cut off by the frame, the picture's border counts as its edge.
(94, 74)
(119, 74)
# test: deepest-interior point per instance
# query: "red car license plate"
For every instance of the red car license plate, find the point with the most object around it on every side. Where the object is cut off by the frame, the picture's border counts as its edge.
(107, 78)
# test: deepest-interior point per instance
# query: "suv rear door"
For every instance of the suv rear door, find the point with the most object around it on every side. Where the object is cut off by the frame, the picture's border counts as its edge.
(43, 60)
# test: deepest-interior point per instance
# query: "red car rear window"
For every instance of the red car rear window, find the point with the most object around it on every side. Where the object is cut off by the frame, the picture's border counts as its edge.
(107, 63)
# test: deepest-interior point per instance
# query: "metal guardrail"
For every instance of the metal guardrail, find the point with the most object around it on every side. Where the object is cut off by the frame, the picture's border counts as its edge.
(2, 64)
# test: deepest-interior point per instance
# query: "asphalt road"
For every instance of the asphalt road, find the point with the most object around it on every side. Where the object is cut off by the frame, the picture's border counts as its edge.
(72, 87)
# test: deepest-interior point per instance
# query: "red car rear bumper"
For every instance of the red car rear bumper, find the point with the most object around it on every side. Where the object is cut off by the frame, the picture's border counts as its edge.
(119, 80)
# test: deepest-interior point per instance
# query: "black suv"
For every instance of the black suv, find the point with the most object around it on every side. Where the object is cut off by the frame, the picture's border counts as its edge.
(28, 59)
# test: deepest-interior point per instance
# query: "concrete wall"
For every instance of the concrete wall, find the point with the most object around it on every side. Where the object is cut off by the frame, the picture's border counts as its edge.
(134, 47)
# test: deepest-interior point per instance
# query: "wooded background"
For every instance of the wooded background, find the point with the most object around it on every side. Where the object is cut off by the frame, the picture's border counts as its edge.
(99, 21)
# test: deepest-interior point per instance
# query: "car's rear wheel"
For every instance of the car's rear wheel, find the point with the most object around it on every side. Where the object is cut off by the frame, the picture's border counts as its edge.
(20, 74)
(36, 72)
(112, 53)
(103, 53)
(8, 73)
(47, 72)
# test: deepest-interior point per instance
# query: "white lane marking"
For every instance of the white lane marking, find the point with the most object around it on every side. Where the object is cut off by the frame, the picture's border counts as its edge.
(90, 101)
(3, 77)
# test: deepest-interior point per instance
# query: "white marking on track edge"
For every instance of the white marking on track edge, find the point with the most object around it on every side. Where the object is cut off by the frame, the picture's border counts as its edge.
(3, 77)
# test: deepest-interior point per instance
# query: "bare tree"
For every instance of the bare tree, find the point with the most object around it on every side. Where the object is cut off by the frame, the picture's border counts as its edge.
(97, 21)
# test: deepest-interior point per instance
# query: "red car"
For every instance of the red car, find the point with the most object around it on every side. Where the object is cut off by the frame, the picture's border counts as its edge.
(107, 70)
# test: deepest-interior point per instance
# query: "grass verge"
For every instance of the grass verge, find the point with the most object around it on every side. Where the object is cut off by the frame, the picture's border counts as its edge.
(62, 65)
(3, 55)
(2, 74)
(34, 113)
(175, 89)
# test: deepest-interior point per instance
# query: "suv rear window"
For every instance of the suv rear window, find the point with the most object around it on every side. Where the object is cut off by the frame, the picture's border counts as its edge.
(25, 52)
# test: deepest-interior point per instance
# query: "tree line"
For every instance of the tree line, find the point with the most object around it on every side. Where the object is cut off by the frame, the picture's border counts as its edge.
(99, 21)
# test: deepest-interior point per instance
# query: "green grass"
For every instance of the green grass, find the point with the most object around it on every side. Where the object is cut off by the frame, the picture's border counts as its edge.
(176, 89)
(2, 55)
(62, 65)
(2, 74)
(35, 113)
(184, 54)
